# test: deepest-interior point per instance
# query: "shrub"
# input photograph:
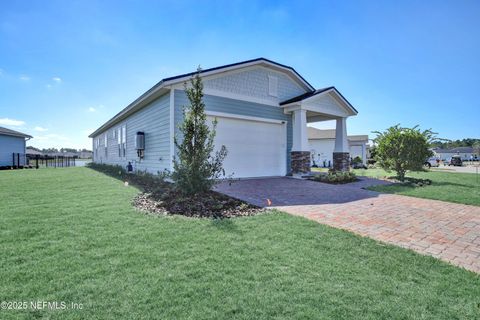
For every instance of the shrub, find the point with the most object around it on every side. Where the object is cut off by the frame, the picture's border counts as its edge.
(401, 149)
(147, 181)
(197, 167)
(336, 177)
(357, 160)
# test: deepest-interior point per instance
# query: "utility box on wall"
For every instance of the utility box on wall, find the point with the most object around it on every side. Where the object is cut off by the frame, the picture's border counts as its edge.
(140, 144)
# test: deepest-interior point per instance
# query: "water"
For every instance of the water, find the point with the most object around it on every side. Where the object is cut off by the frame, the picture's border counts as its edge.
(81, 162)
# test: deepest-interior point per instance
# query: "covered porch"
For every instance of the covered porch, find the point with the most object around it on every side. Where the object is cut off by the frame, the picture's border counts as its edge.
(317, 106)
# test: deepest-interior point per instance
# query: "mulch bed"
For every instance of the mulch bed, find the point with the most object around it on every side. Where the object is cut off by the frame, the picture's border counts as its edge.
(209, 205)
(159, 197)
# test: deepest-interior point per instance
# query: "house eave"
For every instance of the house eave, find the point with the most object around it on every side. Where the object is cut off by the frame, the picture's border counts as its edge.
(305, 98)
(155, 92)
(165, 85)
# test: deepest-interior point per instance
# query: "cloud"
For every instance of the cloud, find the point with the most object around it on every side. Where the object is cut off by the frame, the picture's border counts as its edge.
(50, 141)
(92, 109)
(11, 122)
(52, 137)
(40, 129)
(24, 77)
(57, 79)
(48, 86)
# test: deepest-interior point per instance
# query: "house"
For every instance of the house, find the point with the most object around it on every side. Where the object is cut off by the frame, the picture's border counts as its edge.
(12, 147)
(466, 153)
(85, 154)
(262, 108)
(33, 153)
(322, 144)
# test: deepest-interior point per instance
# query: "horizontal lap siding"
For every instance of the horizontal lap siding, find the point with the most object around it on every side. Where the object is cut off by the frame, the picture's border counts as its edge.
(154, 121)
(10, 145)
(245, 108)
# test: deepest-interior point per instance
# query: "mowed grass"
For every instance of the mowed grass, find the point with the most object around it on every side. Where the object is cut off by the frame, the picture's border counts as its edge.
(71, 235)
(447, 186)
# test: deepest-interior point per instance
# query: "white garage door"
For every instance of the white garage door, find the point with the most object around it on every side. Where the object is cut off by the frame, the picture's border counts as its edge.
(357, 151)
(255, 148)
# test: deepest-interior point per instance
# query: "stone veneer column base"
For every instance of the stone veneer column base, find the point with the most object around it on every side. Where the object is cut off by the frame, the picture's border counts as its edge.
(300, 162)
(341, 161)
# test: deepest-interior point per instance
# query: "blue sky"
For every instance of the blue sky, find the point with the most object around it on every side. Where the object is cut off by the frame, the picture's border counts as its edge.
(68, 66)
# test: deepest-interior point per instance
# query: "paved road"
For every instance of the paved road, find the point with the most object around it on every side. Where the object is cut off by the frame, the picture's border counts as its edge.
(448, 231)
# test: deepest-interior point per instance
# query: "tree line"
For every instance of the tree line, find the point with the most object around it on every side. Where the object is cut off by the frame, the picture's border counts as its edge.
(55, 150)
(450, 144)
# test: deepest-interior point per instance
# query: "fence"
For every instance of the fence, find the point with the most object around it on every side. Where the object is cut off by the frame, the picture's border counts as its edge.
(18, 160)
(41, 161)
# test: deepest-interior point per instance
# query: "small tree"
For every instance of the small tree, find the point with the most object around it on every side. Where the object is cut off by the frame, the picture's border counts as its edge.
(197, 167)
(401, 149)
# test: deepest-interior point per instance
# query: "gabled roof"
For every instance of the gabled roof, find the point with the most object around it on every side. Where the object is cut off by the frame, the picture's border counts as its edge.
(318, 134)
(314, 93)
(10, 132)
(162, 86)
(241, 64)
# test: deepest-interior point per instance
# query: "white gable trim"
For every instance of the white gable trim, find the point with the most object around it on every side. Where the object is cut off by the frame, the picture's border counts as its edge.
(334, 94)
(245, 67)
(308, 104)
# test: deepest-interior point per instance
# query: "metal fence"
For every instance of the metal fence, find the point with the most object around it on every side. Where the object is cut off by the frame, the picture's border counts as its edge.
(42, 161)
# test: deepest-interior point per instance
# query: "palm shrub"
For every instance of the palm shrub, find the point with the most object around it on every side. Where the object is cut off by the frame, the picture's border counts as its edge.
(401, 149)
(196, 166)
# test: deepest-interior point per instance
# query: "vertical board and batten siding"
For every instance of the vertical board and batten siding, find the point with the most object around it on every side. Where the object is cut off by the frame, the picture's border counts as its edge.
(238, 107)
(154, 121)
(10, 145)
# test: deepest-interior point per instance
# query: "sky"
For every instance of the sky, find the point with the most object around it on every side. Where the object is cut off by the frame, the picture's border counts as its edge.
(66, 67)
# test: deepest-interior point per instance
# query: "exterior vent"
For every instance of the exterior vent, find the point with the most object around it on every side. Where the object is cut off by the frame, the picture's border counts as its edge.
(140, 144)
(273, 86)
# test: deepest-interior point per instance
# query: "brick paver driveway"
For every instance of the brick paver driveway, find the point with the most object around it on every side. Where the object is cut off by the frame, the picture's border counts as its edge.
(448, 231)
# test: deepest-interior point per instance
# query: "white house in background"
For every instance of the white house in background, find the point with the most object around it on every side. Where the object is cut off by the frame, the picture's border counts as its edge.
(322, 145)
(262, 108)
(12, 147)
(466, 153)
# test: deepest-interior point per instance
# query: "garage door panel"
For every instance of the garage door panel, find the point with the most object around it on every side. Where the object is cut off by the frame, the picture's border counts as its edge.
(254, 148)
(357, 151)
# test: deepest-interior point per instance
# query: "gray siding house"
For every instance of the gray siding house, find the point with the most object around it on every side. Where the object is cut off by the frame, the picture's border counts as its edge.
(11, 142)
(262, 108)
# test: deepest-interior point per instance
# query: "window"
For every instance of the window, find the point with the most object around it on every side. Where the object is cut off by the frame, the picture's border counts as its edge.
(124, 140)
(96, 144)
(273, 86)
(119, 141)
(106, 143)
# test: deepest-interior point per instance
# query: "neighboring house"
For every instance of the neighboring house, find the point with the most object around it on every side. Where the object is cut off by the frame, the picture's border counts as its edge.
(262, 108)
(322, 144)
(12, 142)
(33, 153)
(466, 153)
(63, 154)
(85, 154)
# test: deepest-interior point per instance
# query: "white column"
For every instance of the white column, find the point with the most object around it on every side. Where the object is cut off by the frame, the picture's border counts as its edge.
(341, 141)
(300, 138)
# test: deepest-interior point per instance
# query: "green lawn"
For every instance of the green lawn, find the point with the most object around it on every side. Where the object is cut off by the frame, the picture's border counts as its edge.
(71, 235)
(446, 186)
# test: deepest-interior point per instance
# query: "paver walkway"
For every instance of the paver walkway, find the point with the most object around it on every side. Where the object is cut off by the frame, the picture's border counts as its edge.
(445, 230)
